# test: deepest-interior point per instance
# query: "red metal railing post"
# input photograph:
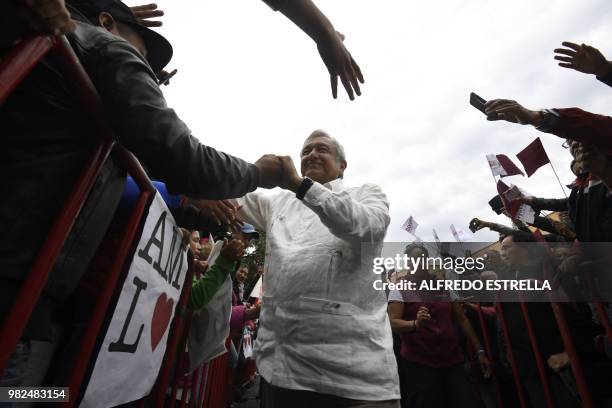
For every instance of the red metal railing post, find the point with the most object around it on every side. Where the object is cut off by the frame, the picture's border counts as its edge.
(515, 373)
(489, 350)
(538, 355)
(176, 341)
(570, 349)
(32, 287)
(104, 298)
(21, 60)
(203, 380)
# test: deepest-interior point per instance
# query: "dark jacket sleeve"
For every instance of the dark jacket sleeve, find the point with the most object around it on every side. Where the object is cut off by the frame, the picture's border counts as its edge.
(584, 127)
(550, 204)
(275, 4)
(143, 123)
(606, 79)
(554, 227)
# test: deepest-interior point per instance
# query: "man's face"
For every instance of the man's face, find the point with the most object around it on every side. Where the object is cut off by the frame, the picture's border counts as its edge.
(319, 160)
(245, 238)
(511, 252)
(242, 273)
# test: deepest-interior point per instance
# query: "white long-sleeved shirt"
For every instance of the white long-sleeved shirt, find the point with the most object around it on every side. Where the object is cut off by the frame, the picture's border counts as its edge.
(323, 327)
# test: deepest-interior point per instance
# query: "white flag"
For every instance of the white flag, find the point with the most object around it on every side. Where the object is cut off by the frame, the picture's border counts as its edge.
(410, 225)
(496, 167)
(257, 289)
(454, 232)
(460, 235)
(436, 236)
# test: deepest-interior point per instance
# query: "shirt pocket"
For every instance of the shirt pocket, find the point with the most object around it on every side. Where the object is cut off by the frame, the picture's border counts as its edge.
(317, 335)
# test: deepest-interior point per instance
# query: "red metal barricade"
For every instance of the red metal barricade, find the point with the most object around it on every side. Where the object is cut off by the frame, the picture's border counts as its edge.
(13, 69)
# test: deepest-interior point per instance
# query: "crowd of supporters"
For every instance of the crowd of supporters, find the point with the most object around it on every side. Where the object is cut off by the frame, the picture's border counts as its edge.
(435, 344)
(450, 350)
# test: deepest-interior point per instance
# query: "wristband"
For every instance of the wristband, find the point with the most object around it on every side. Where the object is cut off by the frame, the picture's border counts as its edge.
(303, 188)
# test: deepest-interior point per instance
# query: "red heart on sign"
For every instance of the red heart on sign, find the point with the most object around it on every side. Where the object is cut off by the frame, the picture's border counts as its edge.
(161, 319)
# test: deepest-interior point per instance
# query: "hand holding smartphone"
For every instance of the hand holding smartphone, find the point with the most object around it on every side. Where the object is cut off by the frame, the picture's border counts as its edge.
(477, 102)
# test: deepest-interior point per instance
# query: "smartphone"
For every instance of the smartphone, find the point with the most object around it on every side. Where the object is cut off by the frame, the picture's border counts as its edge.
(164, 77)
(477, 102)
(497, 204)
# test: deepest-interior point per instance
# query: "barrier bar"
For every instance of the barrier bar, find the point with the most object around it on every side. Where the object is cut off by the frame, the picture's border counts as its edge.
(21, 60)
(538, 356)
(489, 350)
(513, 365)
(178, 331)
(34, 282)
(570, 349)
(95, 323)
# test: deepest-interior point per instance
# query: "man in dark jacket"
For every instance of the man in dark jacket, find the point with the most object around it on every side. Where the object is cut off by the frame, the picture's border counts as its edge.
(48, 138)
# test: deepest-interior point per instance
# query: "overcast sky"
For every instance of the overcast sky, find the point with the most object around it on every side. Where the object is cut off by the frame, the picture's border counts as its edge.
(250, 83)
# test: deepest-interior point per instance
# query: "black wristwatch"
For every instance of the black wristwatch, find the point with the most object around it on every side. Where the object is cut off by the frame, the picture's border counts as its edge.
(303, 188)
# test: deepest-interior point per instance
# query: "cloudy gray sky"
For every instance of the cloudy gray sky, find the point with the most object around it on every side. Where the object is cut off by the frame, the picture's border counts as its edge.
(250, 83)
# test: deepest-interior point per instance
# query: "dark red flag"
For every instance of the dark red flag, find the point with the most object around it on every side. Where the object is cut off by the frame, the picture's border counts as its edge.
(511, 206)
(502, 166)
(533, 157)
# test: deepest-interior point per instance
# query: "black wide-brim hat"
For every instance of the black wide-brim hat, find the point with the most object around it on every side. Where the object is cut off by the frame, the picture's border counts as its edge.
(159, 50)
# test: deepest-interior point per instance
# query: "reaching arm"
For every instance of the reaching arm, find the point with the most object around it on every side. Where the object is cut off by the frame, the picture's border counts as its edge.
(335, 56)
(547, 204)
(554, 227)
(586, 59)
(203, 289)
(138, 114)
(568, 123)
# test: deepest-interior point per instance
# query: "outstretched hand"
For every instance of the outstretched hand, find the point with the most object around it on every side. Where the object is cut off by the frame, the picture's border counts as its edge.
(340, 63)
(222, 212)
(233, 250)
(511, 111)
(270, 171)
(583, 58)
(290, 179)
(144, 13)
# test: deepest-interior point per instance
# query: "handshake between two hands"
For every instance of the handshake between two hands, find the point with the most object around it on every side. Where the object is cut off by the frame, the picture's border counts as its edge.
(278, 171)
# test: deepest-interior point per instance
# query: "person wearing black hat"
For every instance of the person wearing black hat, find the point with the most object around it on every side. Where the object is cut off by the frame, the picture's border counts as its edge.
(120, 20)
(48, 137)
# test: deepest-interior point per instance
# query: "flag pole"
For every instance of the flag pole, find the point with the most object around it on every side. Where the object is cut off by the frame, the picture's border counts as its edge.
(558, 179)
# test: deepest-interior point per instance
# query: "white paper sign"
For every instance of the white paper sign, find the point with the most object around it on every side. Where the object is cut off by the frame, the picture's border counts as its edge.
(134, 345)
(410, 225)
(210, 327)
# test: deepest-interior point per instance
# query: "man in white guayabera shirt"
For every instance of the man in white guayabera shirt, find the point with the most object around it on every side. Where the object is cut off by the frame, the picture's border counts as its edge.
(325, 338)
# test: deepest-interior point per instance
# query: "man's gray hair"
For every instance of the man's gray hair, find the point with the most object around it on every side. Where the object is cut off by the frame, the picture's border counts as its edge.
(340, 155)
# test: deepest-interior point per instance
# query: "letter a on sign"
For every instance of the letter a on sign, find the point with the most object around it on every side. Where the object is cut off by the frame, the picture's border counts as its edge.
(134, 345)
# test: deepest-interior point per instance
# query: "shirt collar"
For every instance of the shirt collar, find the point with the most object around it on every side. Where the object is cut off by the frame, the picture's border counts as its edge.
(334, 185)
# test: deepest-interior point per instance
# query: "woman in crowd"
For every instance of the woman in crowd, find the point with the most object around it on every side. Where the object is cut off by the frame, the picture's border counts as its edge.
(431, 355)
